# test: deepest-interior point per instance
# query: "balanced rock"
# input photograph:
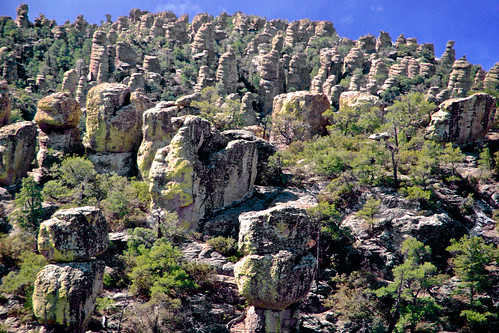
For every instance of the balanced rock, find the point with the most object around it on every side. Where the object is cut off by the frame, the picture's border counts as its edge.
(5, 105)
(75, 234)
(201, 171)
(276, 270)
(58, 111)
(64, 294)
(17, 151)
(463, 120)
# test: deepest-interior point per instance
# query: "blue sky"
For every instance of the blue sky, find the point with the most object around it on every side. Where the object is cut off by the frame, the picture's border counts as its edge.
(473, 24)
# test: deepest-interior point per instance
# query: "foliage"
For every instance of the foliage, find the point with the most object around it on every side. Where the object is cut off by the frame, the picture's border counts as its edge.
(224, 114)
(28, 211)
(227, 246)
(370, 210)
(157, 272)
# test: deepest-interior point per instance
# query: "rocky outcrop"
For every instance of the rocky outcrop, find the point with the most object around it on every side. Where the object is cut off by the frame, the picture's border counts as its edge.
(22, 20)
(353, 60)
(151, 64)
(359, 100)
(99, 58)
(460, 79)
(276, 270)
(367, 43)
(70, 81)
(383, 42)
(248, 104)
(5, 105)
(65, 292)
(177, 31)
(201, 171)
(298, 116)
(114, 126)
(203, 43)
(269, 80)
(57, 116)
(447, 59)
(227, 72)
(17, 151)
(75, 234)
(126, 57)
(462, 120)
(492, 77)
(159, 127)
(299, 73)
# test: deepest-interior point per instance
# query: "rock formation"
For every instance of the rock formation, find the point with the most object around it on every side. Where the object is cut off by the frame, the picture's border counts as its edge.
(65, 292)
(462, 120)
(299, 73)
(22, 16)
(227, 72)
(298, 116)
(383, 42)
(203, 41)
(269, 80)
(460, 79)
(276, 270)
(70, 81)
(57, 116)
(114, 126)
(492, 77)
(447, 59)
(201, 171)
(17, 151)
(353, 60)
(248, 103)
(151, 64)
(99, 58)
(5, 105)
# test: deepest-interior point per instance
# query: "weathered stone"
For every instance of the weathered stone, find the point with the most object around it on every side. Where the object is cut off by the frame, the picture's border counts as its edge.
(460, 79)
(275, 281)
(126, 57)
(275, 229)
(75, 234)
(159, 127)
(447, 59)
(383, 42)
(114, 123)
(269, 80)
(367, 43)
(199, 20)
(64, 294)
(122, 164)
(205, 79)
(203, 41)
(137, 81)
(22, 20)
(5, 105)
(302, 106)
(56, 145)
(70, 81)
(426, 51)
(177, 31)
(324, 29)
(479, 81)
(59, 111)
(151, 64)
(201, 171)
(492, 77)
(263, 320)
(227, 71)
(248, 106)
(17, 151)
(357, 99)
(99, 58)
(462, 120)
(353, 60)
(299, 73)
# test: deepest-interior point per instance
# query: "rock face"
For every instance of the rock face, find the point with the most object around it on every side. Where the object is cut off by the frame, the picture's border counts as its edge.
(159, 127)
(460, 79)
(58, 116)
(302, 106)
(75, 234)
(65, 294)
(5, 105)
(17, 150)
(201, 171)
(463, 120)
(99, 58)
(227, 71)
(276, 270)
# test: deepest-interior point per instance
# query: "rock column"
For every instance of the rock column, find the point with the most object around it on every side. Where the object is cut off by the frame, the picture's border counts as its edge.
(277, 270)
(65, 291)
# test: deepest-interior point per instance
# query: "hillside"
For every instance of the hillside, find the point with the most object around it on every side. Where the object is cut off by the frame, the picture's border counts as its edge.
(239, 174)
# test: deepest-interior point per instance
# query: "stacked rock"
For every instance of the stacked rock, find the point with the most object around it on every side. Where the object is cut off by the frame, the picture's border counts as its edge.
(277, 269)
(65, 291)
(58, 116)
(5, 105)
(114, 127)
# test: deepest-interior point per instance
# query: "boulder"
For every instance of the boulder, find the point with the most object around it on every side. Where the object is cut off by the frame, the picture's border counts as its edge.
(64, 294)
(5, 105)
(462, 120)
(17, 151)
(114, 119)
(275, 229)
(275, 281)
(201, 171)
(303, 108)
(59, 111)
(75, 234)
